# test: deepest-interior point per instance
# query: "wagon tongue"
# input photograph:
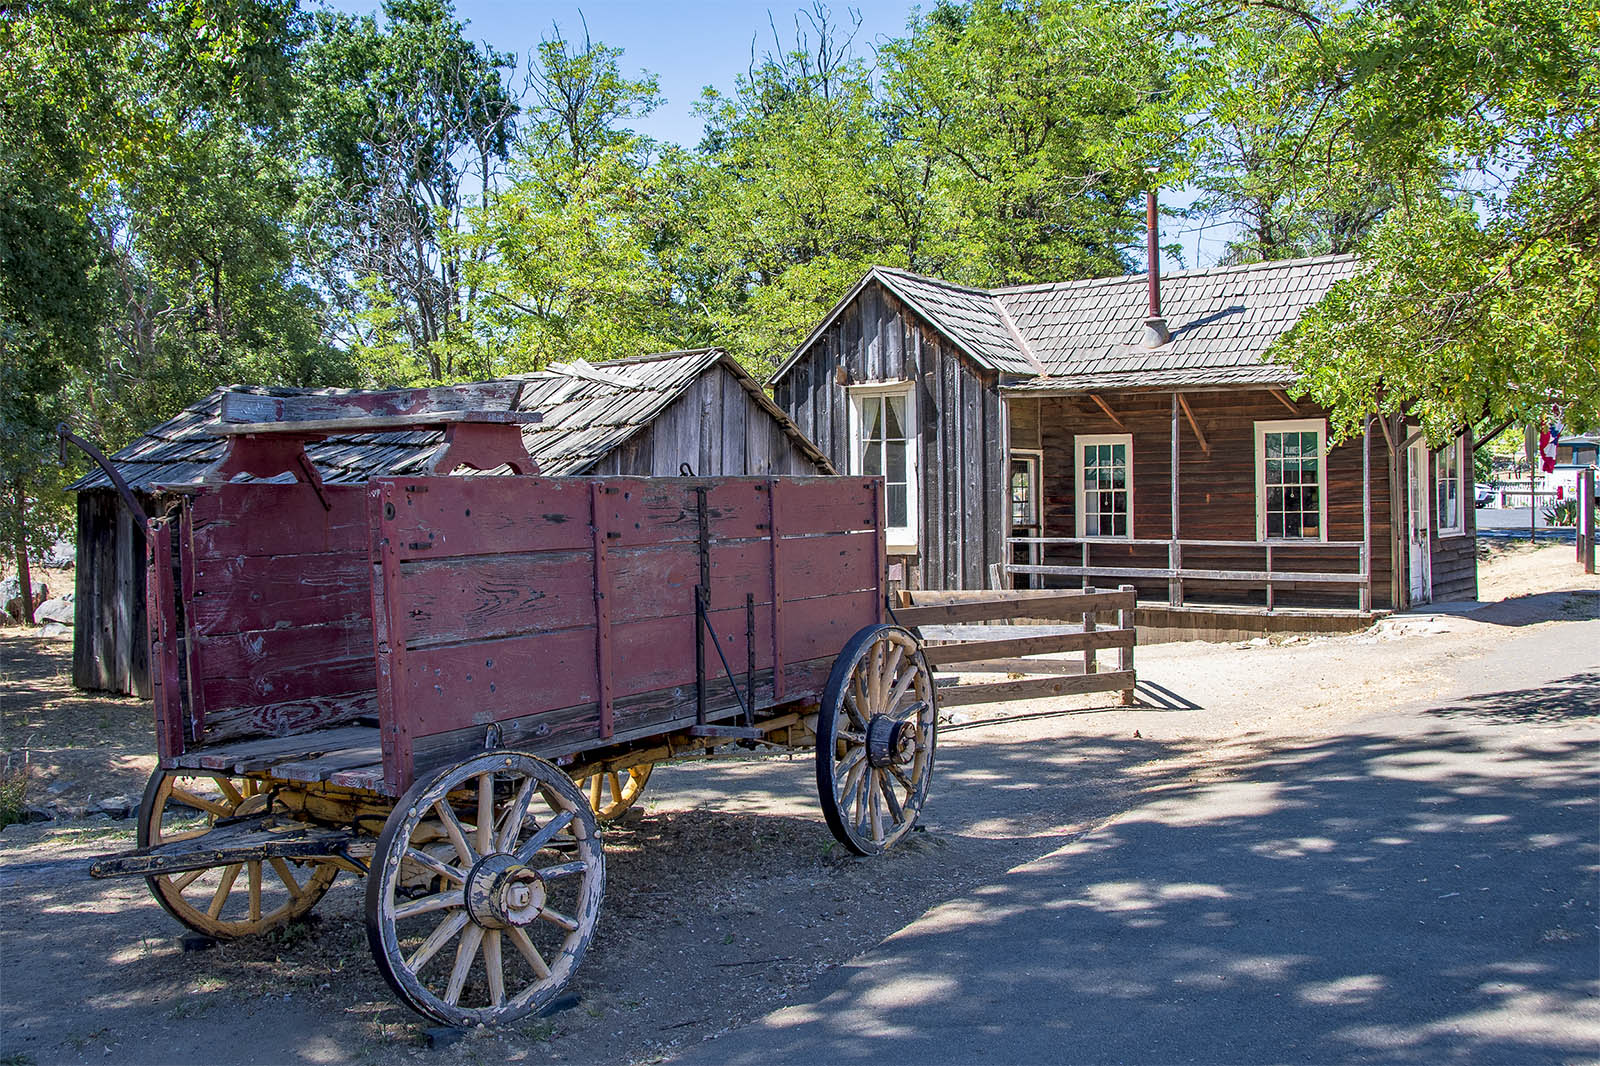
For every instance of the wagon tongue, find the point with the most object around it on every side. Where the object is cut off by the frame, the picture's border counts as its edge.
(250, 839)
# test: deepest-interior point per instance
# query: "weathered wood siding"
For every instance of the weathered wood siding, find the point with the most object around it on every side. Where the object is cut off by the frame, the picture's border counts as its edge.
(961, 464)
(1455, 557)
(1217, 493)
(109, 651)
(718, 429)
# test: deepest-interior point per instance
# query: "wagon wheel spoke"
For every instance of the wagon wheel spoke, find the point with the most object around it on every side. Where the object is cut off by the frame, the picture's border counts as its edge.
(454, 830)
(544, 836)
(466, 954)
(566, 869)
(557, 919)
(200, 803)
(229, 875)
(441, 935)
(235, 797)
(524, 945)
(892, 801)
(483, 835)
(494, 967)
(516, 816)
(428, 862)
(437, 902)
(281, 868)
(255, 891)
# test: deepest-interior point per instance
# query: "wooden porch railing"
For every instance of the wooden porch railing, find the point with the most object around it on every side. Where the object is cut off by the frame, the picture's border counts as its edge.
(1175, 572)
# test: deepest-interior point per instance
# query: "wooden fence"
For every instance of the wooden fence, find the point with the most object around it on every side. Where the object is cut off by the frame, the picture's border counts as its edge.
(1104, 622)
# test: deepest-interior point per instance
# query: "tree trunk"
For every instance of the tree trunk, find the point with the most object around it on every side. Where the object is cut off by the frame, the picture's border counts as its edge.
(24, 575)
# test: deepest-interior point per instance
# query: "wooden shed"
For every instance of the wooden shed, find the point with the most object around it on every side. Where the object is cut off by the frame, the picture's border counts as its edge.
(647, 415)
(1061, 434)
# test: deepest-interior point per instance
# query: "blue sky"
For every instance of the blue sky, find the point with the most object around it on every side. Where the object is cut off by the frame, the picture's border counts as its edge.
(695, 43)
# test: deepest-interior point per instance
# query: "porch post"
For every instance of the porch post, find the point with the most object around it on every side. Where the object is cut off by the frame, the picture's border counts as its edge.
(1006, 532)
(1174, 552)
(1365, 594)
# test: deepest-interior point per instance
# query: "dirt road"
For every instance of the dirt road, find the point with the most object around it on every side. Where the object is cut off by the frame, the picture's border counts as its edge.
(725, 898)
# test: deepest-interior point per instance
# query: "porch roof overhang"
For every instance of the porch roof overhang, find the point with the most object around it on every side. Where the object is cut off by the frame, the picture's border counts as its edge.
(1180, 379)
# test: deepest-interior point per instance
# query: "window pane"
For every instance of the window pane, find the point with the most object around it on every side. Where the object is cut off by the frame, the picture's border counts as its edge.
(1291, 524)
(1091, 524)
(1274, 524)
(895, 453)
(1308, 471)
(897, 506)
(1119, 525)
(1274, 471)
(1274, 444)
(1311, 498)
(896, 418)
(872, 417)
(1308, 444)
(1274, 499)
(872, 461)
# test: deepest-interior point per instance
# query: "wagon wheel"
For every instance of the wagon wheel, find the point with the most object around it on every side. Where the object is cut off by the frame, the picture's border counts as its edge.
(499, 859)
(232, 900)
(875, 739)
(611, 792)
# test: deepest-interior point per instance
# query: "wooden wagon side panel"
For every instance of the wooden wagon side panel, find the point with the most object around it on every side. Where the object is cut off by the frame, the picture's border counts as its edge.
(562, 610)
(277, 611)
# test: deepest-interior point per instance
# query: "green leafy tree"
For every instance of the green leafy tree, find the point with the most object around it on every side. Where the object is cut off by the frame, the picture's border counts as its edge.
(406, 128)
(1480, 300)
(1270, 147)
(1036, 122)
(563, 257)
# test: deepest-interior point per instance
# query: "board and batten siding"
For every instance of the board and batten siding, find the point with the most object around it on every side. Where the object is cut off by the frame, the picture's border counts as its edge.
(961, 465)
(716, 427)
(110, 652)
(1217, 492)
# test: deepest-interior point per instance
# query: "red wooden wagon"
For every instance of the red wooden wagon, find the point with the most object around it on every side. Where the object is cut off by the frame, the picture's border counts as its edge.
(409, 679)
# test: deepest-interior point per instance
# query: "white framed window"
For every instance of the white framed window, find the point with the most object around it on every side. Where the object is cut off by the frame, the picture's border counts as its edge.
(1292, 480)
(1026, 510)
(1104, 467)
(883, 442)
(1447, 466)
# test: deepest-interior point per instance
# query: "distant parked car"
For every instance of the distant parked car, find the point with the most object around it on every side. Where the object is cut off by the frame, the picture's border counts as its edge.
(1485, 495)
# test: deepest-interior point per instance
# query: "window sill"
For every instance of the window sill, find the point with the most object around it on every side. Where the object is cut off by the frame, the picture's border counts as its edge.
(1451, 534)
(899, 548)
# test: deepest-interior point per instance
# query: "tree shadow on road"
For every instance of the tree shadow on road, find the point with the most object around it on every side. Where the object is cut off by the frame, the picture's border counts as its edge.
(1427, 897)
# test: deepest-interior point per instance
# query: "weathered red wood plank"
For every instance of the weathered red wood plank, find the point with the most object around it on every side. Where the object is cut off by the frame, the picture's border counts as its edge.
(491, 596)
(161, 620)
(438, 517)
(257, 519)
(660, 579)
(824, 565)
(658, 653)
(273, 665)
(288, 717)
(821, 626)
(236, 594)
(445, 688)
(660, 510)
(831, 505)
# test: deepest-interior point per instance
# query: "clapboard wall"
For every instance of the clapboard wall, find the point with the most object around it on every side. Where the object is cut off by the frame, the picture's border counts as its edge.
(961, 455)
(1217, 491)
(718, 429)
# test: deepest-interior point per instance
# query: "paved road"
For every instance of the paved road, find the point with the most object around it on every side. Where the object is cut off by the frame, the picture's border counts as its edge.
(1419, 889)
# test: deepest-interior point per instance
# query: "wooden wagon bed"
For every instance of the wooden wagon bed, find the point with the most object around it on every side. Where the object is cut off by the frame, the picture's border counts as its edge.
(356, 635)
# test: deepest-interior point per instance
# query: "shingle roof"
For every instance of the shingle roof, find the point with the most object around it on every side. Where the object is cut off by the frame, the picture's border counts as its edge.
(1077, 335)
(1222, 320)
(586, 416)
(972, 318)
